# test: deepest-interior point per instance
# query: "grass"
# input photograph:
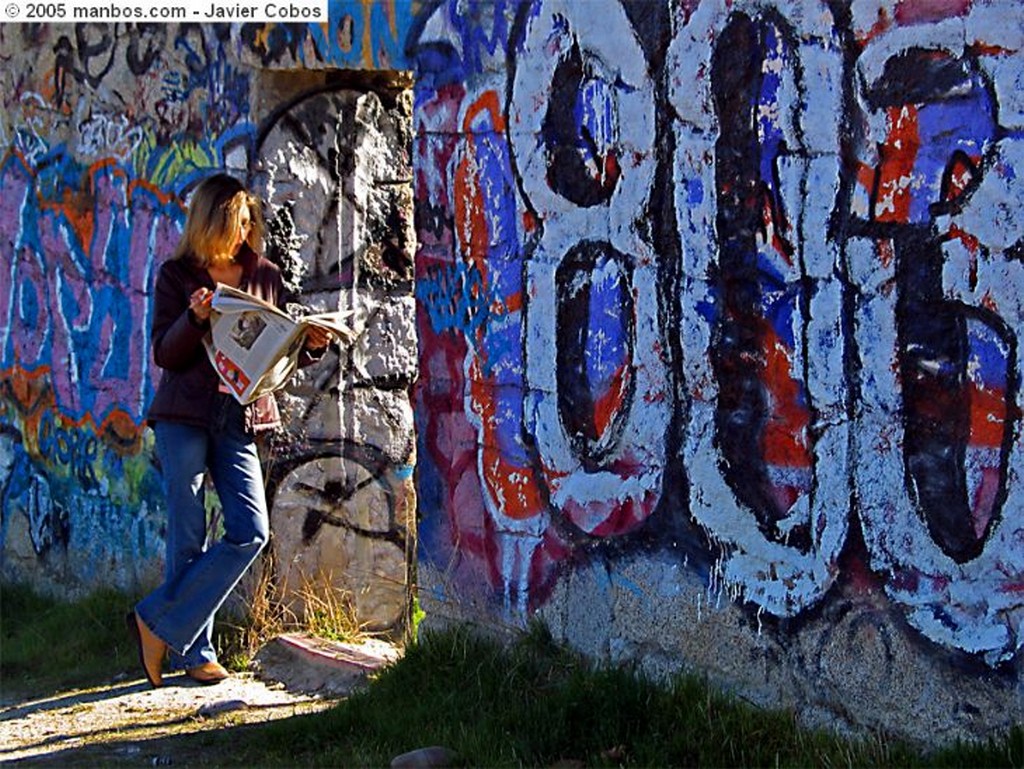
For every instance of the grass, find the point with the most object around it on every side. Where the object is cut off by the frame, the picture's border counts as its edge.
(321, 609)
(47, 646)
(533, 703)
(530, 702)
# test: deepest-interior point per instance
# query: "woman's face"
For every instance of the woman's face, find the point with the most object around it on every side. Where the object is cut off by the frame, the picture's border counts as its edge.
(242, 232)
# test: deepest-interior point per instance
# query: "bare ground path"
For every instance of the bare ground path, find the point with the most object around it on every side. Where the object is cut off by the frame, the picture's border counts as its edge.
(127, 723)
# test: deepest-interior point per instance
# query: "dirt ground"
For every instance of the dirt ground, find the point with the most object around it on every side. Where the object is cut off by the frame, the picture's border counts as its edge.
(128, 723)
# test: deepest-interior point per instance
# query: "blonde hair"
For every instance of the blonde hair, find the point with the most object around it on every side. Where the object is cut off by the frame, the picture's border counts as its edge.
(211, 226)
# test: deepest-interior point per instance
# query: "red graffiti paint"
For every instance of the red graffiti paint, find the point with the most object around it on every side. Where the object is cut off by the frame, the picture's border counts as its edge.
(910, 12)
(609, 403)
(897, 156)
(608, 518)
(513, 486)
(784, 441)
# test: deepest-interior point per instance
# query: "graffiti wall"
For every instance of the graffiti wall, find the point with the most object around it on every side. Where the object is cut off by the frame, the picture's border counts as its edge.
(106, 129)
(713, 322)
(719, 319)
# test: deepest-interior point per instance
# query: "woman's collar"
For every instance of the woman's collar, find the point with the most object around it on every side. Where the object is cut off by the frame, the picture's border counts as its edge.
(246, 257)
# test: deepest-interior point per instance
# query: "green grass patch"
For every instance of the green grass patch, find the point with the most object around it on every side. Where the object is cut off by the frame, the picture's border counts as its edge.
(534, 703)
(47, 645)
(529, 702)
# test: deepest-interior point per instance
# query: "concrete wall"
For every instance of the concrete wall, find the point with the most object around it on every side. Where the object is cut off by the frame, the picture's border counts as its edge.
(107, 128)
(717, 308)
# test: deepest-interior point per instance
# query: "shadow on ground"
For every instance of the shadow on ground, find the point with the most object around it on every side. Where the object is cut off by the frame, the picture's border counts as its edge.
(127, 723)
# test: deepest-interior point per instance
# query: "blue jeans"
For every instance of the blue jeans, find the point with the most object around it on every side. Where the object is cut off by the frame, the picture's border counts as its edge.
(200, 576)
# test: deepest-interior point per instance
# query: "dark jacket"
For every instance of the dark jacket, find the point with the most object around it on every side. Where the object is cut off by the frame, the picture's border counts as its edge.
(188, 389)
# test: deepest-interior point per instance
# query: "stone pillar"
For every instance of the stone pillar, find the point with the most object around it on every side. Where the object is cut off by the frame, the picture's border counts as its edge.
(335, 171)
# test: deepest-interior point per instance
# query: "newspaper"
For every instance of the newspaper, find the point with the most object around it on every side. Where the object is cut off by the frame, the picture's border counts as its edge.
(255, 346)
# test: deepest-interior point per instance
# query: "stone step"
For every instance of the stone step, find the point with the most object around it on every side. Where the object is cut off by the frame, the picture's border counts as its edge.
(305, 663)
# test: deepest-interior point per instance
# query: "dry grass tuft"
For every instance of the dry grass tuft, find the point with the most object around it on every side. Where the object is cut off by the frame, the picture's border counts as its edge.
(319, 607)
(328, 611)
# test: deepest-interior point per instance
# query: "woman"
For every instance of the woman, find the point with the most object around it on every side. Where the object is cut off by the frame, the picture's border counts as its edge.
(201, 428)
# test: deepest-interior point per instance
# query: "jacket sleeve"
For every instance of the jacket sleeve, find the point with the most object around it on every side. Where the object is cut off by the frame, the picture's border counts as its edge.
(177, 335)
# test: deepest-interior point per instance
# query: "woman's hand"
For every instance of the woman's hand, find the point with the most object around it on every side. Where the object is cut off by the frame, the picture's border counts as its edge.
(199, 304)
(317, 337)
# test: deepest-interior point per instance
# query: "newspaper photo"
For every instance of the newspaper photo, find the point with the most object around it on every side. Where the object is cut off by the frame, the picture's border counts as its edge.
(254, 346)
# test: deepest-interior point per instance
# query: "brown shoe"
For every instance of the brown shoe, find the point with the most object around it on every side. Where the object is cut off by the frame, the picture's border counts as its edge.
(151, 649)
(208, 673)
